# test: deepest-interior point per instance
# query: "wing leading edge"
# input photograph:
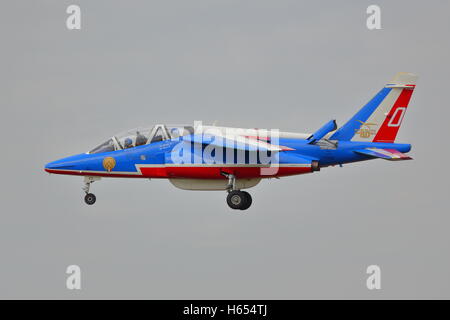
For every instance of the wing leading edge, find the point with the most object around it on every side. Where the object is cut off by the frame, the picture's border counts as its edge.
(235, 142)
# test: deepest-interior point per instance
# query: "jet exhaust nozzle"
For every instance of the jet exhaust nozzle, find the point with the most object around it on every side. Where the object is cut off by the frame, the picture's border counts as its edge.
(315, 166)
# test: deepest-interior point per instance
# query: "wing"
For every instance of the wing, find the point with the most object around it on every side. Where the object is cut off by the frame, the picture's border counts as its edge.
(387, 154)
(234, 142)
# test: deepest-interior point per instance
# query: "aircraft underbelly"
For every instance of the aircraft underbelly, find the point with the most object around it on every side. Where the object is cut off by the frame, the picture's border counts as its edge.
(211, 184)
(216, 172)
(195, 172)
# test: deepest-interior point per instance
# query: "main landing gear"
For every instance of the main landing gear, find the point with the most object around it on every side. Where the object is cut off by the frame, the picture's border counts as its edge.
(89, 198)
(237, 199)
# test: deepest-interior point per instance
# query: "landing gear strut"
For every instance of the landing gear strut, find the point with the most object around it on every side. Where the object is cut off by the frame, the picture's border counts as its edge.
(237, 199)
(89, 198)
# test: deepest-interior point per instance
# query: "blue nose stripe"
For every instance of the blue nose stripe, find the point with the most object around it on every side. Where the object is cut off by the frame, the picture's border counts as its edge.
(76, 162)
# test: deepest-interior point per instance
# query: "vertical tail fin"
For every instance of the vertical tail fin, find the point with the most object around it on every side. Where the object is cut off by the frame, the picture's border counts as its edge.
(380, 119)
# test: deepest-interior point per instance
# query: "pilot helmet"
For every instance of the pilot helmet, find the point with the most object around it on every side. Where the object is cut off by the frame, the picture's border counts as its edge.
(128, 142)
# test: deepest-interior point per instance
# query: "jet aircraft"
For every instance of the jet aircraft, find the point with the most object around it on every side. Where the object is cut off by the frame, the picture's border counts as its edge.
(220, 158)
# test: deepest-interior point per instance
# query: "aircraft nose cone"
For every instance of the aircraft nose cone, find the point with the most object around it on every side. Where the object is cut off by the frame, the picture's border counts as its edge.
(58, 165)
(49, 166)
(69, 163)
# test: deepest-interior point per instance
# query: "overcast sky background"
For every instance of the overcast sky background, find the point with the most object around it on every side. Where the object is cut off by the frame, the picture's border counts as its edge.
(291, 65)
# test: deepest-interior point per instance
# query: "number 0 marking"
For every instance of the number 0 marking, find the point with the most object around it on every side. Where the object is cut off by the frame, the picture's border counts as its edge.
(391, 122)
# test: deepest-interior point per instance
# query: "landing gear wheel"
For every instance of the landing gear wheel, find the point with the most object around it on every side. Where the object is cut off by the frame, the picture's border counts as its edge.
(248, 200)
(236, 199)
(90, 198)
(239, 200)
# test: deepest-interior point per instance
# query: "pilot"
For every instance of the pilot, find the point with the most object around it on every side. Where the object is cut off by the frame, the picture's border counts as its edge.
(128, 143)
(175, 132)
(140, 139)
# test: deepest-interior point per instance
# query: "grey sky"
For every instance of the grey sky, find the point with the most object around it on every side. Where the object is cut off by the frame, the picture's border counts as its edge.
(291, 65)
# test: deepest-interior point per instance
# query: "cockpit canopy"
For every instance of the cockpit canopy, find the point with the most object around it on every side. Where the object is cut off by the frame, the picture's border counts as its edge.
(142, 136)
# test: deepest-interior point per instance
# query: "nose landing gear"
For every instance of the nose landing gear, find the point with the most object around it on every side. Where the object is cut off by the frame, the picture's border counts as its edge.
(89, 198)
(237, 199)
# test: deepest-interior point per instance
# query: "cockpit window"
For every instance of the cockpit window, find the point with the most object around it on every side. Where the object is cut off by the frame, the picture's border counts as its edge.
(142, 136)
(179, 131)
(158, 136)
(132, 138)
(104, 147)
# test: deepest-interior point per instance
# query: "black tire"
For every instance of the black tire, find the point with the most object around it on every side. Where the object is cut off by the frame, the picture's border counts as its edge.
(90, 198)
(236, 199)
(248, 200)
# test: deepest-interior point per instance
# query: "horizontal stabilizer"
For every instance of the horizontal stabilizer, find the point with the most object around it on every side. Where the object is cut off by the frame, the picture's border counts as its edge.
(387, 154)
(323, 131)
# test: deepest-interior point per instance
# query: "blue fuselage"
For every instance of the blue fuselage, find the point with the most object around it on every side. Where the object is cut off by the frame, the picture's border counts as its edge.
(153, 160)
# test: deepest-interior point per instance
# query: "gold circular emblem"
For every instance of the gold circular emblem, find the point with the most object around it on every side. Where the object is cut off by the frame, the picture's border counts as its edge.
(365, 133)
(109, 163)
